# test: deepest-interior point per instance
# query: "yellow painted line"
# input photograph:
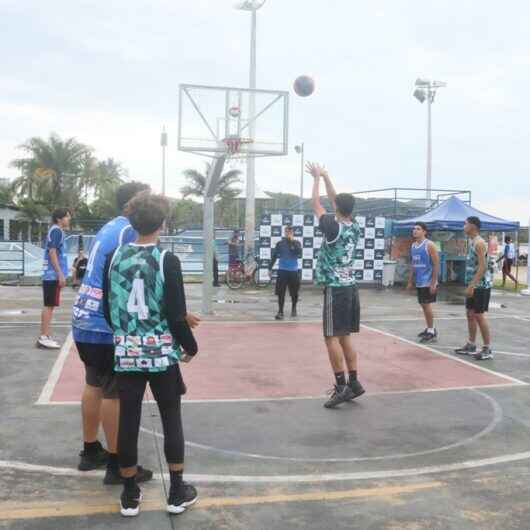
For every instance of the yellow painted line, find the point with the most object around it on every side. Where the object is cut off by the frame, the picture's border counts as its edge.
(37, 510)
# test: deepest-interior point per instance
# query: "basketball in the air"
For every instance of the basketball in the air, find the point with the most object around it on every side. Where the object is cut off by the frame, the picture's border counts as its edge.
(304, 86)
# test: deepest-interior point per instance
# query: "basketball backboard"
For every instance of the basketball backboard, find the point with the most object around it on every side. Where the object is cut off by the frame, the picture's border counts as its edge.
(238, 122)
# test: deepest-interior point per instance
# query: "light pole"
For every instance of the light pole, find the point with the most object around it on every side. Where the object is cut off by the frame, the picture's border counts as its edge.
(426, 90)
(300, 150)
(163, 144)
(250, 206)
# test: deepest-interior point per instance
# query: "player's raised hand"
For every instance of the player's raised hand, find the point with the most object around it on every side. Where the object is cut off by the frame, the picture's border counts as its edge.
(315, 170)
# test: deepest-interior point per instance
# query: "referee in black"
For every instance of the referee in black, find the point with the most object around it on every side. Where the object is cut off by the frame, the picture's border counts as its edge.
(288, 251)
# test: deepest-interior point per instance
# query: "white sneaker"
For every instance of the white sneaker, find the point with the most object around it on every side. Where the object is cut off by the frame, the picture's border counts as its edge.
(47, 343)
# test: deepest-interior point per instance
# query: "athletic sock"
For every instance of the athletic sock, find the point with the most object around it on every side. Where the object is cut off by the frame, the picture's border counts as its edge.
(340, 377)
(91, 448)
(432, 331)
(130, 483)
(176, 479)
(112, 461)
(352, 376)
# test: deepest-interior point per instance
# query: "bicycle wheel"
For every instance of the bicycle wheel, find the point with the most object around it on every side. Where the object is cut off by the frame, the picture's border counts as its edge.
(259, 282)
(235, 278)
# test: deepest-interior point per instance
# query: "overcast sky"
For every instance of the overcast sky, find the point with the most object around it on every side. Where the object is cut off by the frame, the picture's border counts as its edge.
(108, 74)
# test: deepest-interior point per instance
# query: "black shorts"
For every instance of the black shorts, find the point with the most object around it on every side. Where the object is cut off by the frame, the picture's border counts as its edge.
(288, 279)
(51, 291)
(342, 311)
(99, 367)
(480, 301)
(425, 296)
(507, 266)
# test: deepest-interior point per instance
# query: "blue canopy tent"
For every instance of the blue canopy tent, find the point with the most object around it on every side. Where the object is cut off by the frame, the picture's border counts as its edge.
(450, 215)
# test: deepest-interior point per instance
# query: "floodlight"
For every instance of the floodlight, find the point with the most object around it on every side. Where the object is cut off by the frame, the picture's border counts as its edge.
(420, 95)
(422, 82)
(298, 149)
(249, 5)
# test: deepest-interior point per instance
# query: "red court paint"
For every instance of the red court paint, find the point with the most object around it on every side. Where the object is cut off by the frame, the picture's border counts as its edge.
(252, 360)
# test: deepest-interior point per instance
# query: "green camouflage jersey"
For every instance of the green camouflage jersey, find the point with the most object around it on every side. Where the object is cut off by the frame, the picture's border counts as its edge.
(472, 266)
(335, 264)
(143, 341)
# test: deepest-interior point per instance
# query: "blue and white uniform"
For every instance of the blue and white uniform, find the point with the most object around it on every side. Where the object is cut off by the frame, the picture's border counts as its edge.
(88, 320)
(54, 239)
(422, 264)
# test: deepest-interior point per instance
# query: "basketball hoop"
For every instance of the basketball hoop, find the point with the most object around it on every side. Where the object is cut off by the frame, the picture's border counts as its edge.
(233, 145)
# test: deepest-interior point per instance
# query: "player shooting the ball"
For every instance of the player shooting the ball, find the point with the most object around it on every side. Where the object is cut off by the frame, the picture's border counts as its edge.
(335, 271)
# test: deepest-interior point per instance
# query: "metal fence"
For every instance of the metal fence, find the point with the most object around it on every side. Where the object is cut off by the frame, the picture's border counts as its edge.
(12, 257)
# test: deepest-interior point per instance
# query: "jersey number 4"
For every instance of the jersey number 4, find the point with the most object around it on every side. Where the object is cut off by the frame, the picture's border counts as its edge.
(136, 302)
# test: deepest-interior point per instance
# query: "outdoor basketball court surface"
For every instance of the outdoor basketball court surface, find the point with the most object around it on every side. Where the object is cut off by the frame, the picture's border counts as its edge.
(436, 442)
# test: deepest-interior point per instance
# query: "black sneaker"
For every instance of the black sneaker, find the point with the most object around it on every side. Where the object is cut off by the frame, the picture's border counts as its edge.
(294, 313)
(130, 502)
(357, 389)
(279, 316)
(339, 394)
(429, 337)
(420, 335)
(113, 476)
(88, 462)
(468, 349)
(484, 354)
(181, 498)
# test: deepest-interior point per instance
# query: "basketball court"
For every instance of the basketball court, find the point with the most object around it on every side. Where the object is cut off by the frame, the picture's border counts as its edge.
(434, 434)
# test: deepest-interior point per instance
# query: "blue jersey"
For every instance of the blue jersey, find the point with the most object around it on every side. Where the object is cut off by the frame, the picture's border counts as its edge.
(54, 239)
(88, 319)
(422, 264)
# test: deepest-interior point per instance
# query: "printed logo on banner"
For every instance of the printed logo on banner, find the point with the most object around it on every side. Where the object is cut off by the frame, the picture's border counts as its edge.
(369, 254)
(362, 233)
(360, 243)
(379, 254)
(369, 264)
(307, 275)
(265, 242)
(307, 264)
(315, 253)
(265, 219)
(309, 220)
(265, 231)
(368, 275)
(317, 242)
(265, 253)
(358, 264)
(308, 242)
(378, 275)
(276, 219)
(308, 253)
(378, 264)
(299, 263)
(359, 253)
(298, 231)
(276, 231)
(380, 233)
(309, 231)
(318, 232)
(359, 275)
(287, 219)
(298, 219)
(275, 241)
(380, 244)
(370, 222)
(264, 275)
(380, 222)
(300, 240)
(265, 263)
(369, 243)
(369, 233)
(361, 221)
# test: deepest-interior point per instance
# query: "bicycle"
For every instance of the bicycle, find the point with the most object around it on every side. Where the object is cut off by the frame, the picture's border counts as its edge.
(246, 273)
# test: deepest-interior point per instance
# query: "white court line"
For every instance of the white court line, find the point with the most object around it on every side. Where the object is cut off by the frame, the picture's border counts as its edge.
(49, 387)
(253, 479)
(447, 356)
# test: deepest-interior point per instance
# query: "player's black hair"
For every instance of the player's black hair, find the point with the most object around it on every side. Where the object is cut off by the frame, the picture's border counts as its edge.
(127, 191)
(422, 225)
(473, 220)
(345, 203)
(508, 239)
(289, 227)
(147, 212)
(59, 213)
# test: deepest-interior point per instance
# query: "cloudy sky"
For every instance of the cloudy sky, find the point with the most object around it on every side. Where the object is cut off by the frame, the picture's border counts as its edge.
(108, 74)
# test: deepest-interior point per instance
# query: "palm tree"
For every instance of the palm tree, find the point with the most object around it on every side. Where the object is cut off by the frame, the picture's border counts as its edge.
(54, 167)
(197, 183)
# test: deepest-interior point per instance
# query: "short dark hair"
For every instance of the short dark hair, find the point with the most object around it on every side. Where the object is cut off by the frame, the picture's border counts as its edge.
(147, 212)
(508, 239)
(345, 203)
(59, 213)
(422, 225)
(473, 220)
(127, 191)
(289, 227)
